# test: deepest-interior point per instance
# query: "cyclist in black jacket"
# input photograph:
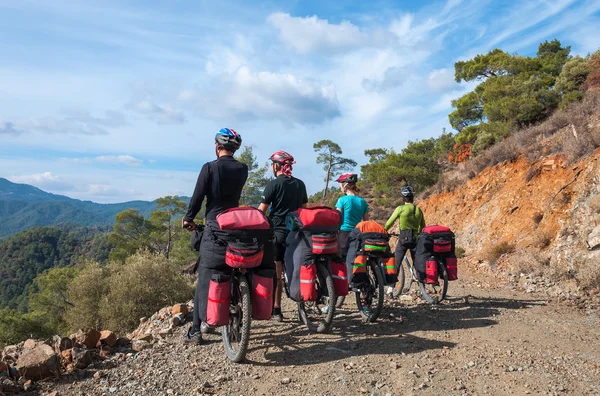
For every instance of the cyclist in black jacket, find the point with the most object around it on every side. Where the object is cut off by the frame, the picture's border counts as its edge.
(220, 182)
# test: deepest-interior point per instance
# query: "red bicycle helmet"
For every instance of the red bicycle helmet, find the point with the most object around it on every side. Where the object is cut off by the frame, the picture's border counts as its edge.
(282, 157)
(348, 178)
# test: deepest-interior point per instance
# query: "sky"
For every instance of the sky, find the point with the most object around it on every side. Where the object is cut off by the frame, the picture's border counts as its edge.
(120, 100)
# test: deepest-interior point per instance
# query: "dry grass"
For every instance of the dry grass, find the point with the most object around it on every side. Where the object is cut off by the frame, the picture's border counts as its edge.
(588, 272)
(527, 261)
(494, 252)
(541, 239)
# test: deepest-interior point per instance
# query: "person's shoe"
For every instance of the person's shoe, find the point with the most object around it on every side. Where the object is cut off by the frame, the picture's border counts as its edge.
(277, 315)
(325, 309)
(367, 310)
(192, 336)
(206, 328)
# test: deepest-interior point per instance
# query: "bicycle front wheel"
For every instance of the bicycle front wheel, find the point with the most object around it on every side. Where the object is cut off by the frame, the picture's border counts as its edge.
(318, 315)
(370, 295)
(434, 293)
(236, 334)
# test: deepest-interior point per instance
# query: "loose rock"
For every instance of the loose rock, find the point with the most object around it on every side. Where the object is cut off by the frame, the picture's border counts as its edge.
(39, 363)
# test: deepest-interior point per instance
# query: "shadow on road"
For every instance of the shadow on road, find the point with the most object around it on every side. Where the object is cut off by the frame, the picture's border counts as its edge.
(390, 335)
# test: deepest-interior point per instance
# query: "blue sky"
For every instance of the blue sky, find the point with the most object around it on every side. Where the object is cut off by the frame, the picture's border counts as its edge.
(119, 100)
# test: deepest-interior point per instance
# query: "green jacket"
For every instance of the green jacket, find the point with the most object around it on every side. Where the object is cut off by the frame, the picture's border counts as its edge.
(411, 217)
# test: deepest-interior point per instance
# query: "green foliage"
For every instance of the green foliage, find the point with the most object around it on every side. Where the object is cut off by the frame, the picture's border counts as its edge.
(29, 253)
(159, 233)
(257, 178)
(513, 92)
(419, 164)
(333, 194)
(49, 296)
(16, 326)
(139, 287)
(86, 292)
(571, 80)
(330, 156)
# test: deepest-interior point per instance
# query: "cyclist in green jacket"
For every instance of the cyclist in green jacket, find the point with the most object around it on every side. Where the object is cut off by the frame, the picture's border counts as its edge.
(411, 221)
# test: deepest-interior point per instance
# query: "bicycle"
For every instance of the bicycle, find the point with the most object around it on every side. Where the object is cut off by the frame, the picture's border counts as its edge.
(433, 293)
(310, 312)
(236, 334)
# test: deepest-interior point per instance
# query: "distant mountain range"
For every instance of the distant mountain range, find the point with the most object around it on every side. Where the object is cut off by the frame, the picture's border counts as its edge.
(23, 206)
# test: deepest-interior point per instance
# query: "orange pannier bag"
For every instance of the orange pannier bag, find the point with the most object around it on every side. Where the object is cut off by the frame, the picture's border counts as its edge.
(370, 226)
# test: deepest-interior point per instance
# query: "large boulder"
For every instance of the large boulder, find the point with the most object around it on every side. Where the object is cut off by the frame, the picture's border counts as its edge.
(107, 337)
(39, 363)
(87, 338)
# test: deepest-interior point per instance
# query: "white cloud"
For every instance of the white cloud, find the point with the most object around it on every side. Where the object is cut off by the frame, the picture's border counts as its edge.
(246, 94)
(312, 34)
(120, 159)
(46, 180)
(160, 113)
(441, 79)
(73, 122)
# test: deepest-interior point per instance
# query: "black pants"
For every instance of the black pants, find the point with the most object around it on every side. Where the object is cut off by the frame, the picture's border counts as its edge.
(212, 261)
(401, 252)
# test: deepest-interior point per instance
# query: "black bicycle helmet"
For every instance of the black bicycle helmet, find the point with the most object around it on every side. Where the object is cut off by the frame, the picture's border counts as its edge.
(407, 191)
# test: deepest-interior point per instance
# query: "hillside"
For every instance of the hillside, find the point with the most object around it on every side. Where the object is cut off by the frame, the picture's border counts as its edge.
(533, 218)
(27, 254)
(23, 206)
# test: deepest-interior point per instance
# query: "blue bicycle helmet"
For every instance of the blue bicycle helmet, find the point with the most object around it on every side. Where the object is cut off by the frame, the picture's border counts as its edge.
(228, 139)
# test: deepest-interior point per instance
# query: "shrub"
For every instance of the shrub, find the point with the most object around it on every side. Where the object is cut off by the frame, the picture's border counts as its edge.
(17, 326)
(588, 273)
(495, 251)
(527, 261)
(85, 293)
(541, 239)
(460, 252)
(139, 287)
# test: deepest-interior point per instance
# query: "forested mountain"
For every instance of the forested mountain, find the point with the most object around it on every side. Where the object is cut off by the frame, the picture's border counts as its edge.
(27, 254)
(23, 206)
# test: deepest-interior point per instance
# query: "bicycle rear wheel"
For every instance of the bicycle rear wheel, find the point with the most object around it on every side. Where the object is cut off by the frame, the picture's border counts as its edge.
(405, 278)
(310, 312)
(236, 334)
(434, 293)
(370, 295)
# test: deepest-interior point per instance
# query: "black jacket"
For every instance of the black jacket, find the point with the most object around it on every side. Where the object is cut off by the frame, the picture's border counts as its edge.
(220, 182)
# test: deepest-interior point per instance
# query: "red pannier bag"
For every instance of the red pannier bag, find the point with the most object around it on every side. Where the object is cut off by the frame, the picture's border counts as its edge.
(442, 246)
(324, 244)
(435, 229)
(339, 273)
(243, 218)
(308, 282)
(243, 254)
(319, 218)
(219, 296)
(452, 268)
(431, 270)
(262, 294)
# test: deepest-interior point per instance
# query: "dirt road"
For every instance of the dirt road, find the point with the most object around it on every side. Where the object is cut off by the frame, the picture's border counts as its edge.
(484, 340)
